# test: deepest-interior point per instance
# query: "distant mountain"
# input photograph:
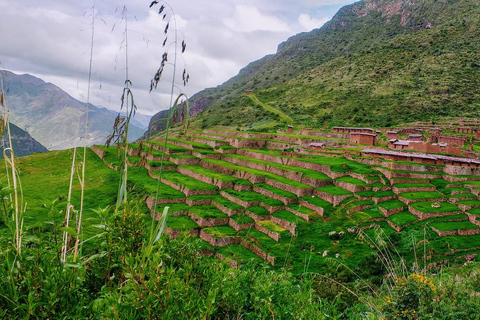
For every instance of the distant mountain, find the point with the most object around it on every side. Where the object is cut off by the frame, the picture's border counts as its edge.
(23, 143)
(53, 117)
(139, 120)
(377, 62)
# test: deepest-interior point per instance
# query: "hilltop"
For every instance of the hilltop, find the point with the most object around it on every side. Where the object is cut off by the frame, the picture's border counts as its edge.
(47, 112)
(23, 143)
(377, 62)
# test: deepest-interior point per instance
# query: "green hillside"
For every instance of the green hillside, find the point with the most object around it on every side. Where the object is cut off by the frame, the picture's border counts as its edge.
(376, 62)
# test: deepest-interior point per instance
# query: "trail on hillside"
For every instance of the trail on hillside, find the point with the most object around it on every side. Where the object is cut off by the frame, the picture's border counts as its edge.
(282, 115)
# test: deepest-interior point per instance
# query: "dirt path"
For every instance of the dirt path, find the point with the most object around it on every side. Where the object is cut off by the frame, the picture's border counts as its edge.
(282, 115)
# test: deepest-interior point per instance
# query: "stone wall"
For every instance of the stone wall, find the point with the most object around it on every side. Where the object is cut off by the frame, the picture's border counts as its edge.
(389, 212)
(358, 208)
(218, 242)
(300, 192)
(408, 201)
(226, 210)
(308, 205)
(259, 252)
(185, 161)
(176, 233)
(305, 217)
(237, 226)
(99, 152)
(207, 223)
(287, 225)
(275, 236)
(286, 201)
(462, 171)
(350, 187)
(238, 201)
(333, 199)
(423, 215)
(412, 189)
(458, 232)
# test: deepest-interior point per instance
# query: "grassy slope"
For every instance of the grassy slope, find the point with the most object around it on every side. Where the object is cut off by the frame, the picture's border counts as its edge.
(45, 177)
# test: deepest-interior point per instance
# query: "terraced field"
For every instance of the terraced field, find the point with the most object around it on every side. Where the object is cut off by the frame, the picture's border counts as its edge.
(267, 196)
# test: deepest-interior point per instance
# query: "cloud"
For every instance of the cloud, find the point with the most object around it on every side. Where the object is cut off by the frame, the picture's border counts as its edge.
(249, 18)
(309, 23)
(51, 39)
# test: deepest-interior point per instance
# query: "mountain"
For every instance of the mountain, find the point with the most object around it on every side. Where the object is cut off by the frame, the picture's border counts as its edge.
(139, 120)
(52, 116)
(377, 62)
(23, 143)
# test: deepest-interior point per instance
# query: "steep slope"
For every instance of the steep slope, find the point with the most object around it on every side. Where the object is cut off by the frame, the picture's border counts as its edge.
(52, 116)
(23, 143)
(376, 62)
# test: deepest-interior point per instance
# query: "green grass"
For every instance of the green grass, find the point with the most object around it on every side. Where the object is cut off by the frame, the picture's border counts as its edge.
(258, 173)
(220, 232)
(422, 195)
(426, 207)
(238, 252)
(144, 184)
(469, 202)
(181, 223)
(174, 207)
(269, 225)
(413, 185)
(196, 145)
(287, 216)
(157, 164)
(402, 218)
(276, 191)
(454, 225)
(259, 211)
(301, 209)
(333, 190)
(449, 191)
(226, 203)
(45, 177)
(474, 211)
(252, 196)
(171, 147)
(215, 175)
(391, 204)
(208, 212)
(186, 181)
(463, 195)
(242, 219)
(319, 202)
(305, 172)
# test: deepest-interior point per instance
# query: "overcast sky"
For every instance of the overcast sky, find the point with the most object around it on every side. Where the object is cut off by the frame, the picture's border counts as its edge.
(51, 39)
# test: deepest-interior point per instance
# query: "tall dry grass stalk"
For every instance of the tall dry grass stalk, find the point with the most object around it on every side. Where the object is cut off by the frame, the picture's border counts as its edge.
(13, 179)
(81, 172)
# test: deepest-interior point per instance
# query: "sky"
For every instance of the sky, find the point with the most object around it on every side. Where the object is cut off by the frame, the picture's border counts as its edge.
(52, 39)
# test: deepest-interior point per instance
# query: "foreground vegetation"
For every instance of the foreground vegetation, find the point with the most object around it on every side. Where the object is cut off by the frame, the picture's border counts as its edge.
(123, 274)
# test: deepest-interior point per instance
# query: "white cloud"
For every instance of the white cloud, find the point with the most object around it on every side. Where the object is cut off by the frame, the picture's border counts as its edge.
(249, 18)
(309, 23)
(51, 39)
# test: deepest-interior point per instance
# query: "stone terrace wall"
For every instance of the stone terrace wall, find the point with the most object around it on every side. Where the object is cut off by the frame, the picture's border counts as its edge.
(176, 233)
(99, 152)
(458, 232)
(333, 199)
(308, 205)
(237, 226)
(286, 201)
(218, 242)
(423, 215)
(275, 236)
(287, 225)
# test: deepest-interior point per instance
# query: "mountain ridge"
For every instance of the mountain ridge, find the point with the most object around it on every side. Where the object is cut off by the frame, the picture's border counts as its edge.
(360, 37)
(49, 114)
